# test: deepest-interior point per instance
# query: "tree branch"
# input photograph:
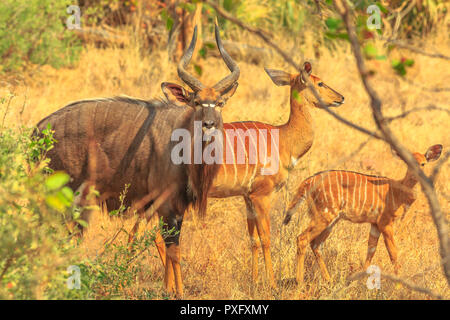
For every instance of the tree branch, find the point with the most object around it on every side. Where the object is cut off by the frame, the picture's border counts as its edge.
(263, 35)
(403, 45)
(375, 103)
(406, 113)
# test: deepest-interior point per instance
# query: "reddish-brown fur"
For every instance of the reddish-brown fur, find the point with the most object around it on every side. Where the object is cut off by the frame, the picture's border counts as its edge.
(359, 198)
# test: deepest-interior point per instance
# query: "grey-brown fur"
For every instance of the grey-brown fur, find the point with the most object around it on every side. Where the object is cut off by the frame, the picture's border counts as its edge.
(131, 146)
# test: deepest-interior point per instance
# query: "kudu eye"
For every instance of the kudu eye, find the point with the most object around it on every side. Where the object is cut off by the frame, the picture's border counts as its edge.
(422, 164)
(320, 84)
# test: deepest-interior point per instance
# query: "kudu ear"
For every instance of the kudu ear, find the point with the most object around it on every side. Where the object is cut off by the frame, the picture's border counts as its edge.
(280, 78)
(307, 68)
(228, 93)
(434, 152)
(175, 93)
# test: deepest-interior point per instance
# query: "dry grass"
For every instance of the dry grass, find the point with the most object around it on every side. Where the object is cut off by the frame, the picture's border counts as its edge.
(215, 252)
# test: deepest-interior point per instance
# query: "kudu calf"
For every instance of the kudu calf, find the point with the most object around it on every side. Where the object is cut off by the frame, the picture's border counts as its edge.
(132, 145)
(356, 197)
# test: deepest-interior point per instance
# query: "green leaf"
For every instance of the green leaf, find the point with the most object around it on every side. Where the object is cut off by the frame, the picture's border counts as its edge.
(76, 215)
(409, 62)
(83, 223)
(333, 23)
(169, 23)
(228, 5)
(189, 7)
(382, 8)
(67, 193)
(395, 62)
(202, 52)
(198, 69)
(399, 67)
(56, 181)
(370, 50)
(53, 201)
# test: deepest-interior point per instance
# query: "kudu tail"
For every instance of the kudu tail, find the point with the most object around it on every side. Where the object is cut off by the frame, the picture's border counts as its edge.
(298, 199)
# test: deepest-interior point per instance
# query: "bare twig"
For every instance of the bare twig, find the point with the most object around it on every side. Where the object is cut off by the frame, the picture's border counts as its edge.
(406, 113)
(261, 33)
(409, 47)
(434, 89)
(401, 15)
(396, 279)
(6, 266)
(7, 108)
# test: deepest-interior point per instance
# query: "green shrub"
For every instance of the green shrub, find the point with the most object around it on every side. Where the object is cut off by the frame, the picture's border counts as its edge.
(34, 243)
(37, 251)
(115, 271)
(34, 31)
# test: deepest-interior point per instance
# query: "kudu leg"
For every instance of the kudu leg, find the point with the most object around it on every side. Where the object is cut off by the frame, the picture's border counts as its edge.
(315, 244)
(262, 208)
(255, 245)
(173, 253)
(169, 278)
(81, 201)
(254, 238)
(173, 258)
(305, 238)
(374, 235)
(388, 235)
(317, 241)
(161, 247)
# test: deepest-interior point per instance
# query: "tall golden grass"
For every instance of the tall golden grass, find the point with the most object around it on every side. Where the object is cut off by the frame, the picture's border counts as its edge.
(215, 251)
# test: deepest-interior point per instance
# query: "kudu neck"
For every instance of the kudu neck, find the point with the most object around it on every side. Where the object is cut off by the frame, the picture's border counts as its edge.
(410, 180)
(296, 135)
